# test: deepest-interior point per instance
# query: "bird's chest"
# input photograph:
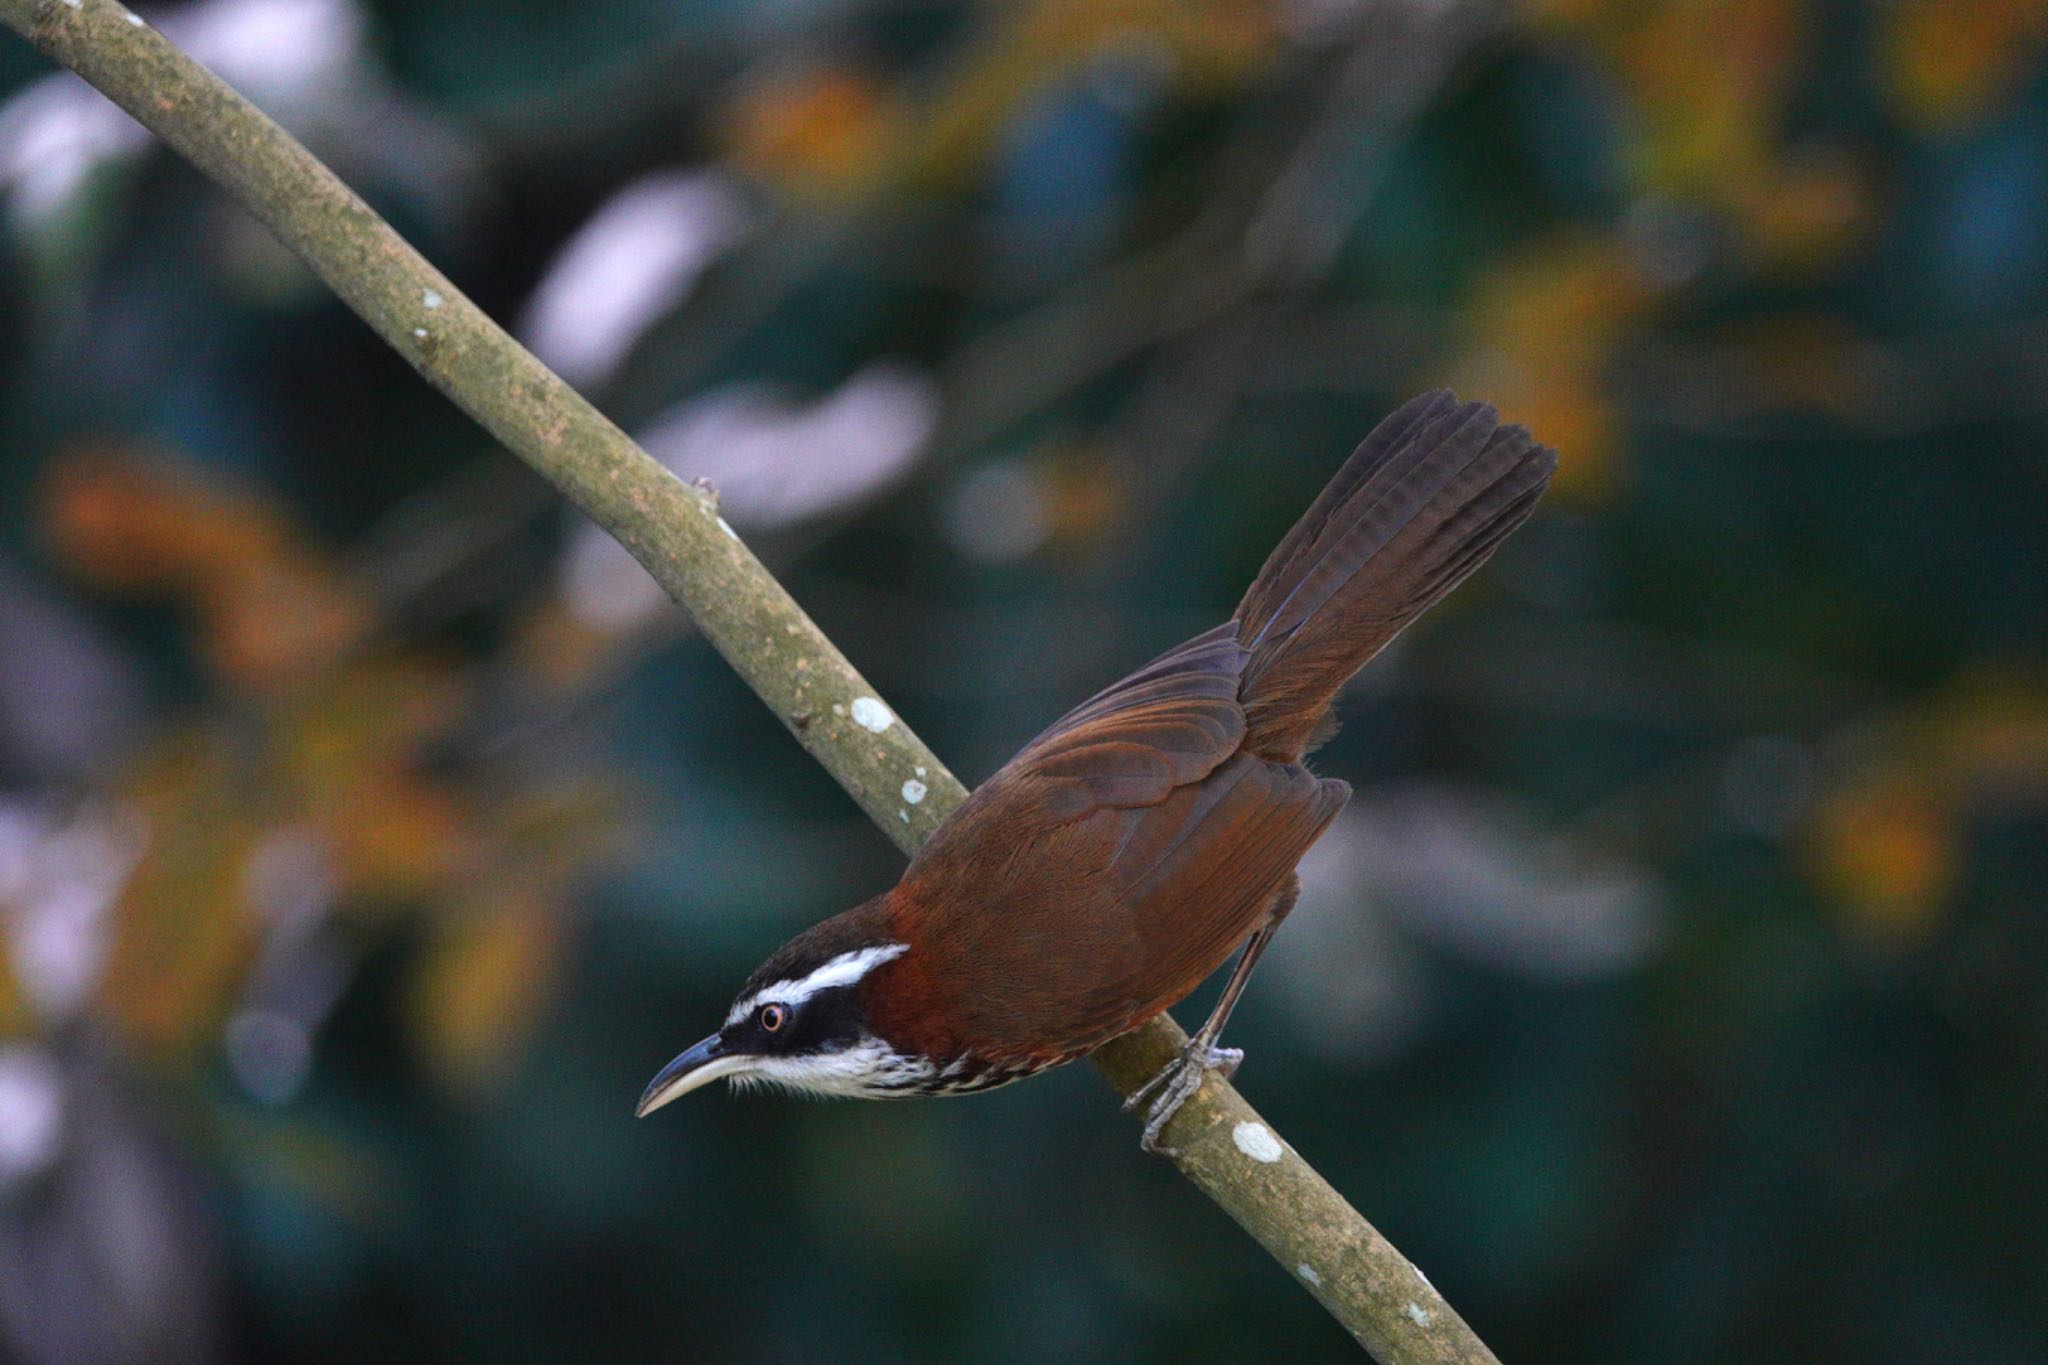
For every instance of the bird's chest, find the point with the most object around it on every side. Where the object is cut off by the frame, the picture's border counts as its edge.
(969, 1074)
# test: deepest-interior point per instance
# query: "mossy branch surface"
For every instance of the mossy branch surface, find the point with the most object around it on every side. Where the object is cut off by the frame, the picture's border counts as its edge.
(674, 530)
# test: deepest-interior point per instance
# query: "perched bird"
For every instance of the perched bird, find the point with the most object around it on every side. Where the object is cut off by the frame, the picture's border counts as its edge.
(1122, 856)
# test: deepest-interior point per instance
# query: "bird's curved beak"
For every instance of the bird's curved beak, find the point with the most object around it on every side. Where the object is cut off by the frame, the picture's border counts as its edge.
(701, 1065)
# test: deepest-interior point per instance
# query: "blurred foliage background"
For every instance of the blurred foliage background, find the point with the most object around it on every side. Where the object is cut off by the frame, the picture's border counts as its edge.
(1675, 989)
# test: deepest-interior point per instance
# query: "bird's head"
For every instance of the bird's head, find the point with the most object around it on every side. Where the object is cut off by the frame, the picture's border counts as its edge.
(801, 1022)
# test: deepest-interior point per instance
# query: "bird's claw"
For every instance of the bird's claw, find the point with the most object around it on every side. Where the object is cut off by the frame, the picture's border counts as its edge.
(1175, 1083)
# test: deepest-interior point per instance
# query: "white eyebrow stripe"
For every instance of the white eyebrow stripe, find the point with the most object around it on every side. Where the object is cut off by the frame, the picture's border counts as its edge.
(843, 970)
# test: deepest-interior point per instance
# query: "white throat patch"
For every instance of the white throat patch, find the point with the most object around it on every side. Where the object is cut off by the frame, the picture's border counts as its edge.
(869, 1070)
(842, 970)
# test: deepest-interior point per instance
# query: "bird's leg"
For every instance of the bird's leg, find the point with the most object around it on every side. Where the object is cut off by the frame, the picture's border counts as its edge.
(1182, 1077)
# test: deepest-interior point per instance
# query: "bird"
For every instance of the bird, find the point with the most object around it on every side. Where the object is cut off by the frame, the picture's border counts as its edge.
(1123, 855)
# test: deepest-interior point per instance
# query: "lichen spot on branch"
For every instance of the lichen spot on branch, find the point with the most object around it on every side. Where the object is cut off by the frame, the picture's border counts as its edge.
(1256, 1141)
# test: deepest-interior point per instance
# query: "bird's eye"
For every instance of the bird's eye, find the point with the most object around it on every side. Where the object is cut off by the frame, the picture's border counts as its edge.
(773, 1017)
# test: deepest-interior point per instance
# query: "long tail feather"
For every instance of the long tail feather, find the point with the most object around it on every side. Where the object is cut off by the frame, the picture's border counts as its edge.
(1420, 504)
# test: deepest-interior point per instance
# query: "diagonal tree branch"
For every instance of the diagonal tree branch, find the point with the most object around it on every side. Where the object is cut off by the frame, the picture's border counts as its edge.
(674, 531)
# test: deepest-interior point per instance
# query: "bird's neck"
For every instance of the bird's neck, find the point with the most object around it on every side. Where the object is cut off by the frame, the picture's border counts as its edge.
(904, 999)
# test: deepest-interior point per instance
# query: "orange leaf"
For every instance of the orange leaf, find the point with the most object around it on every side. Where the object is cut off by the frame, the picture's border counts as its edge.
(822, 131)
(1887, 854)
(1950, 62)
(15, 1018)
(273, 608)
(137, 521)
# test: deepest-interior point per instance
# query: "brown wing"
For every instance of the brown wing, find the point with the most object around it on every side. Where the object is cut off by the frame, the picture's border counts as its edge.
(1168, 724)
(1113, 864)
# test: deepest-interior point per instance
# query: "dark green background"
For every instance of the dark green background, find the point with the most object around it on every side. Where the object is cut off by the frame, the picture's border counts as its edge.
(1627, 1010)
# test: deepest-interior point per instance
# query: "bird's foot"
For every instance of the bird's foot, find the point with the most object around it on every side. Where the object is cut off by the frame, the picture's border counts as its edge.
(1176, 1082)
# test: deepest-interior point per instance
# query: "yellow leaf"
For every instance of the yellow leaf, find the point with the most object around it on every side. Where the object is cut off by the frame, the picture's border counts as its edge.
(183, 929)
(1709, 79)
(1542, 329)
(349, 749)
(479, 989)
